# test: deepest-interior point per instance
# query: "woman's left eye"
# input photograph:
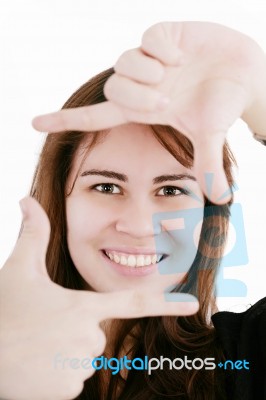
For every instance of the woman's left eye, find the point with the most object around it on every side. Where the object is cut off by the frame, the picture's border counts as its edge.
(171, 191)
(107, 188)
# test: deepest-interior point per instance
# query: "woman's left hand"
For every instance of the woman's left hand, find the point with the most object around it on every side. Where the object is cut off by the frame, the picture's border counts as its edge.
(198, 77)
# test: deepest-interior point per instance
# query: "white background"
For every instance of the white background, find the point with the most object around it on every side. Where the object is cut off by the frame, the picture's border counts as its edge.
(49, 48)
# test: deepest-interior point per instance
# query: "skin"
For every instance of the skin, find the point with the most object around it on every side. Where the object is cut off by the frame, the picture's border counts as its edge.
(97, 220)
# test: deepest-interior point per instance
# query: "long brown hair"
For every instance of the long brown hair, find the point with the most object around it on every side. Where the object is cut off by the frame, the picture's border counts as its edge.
(172, 337)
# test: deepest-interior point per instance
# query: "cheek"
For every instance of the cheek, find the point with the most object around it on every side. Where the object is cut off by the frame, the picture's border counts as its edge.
(85, 219)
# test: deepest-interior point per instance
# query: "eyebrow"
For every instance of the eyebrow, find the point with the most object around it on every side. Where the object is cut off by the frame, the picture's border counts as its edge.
(124, 178)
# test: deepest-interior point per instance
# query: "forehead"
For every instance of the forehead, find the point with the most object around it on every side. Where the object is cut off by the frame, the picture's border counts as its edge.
(130, 147)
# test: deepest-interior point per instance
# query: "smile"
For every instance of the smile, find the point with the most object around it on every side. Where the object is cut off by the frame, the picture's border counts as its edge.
(133, 260)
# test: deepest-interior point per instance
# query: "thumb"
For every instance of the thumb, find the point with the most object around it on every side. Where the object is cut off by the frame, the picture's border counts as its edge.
(209, 169)
(30, 249)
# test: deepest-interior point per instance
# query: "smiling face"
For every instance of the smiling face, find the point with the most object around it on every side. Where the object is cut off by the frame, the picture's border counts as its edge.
(125, 180)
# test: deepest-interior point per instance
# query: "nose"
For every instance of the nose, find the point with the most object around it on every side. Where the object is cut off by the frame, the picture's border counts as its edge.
(136, 220)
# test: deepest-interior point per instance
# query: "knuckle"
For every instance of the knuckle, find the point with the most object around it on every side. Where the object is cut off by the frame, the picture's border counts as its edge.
(147, 38)
(150, 33)
(110, 87)
(86, 119)
(123, 61)
(155, 33)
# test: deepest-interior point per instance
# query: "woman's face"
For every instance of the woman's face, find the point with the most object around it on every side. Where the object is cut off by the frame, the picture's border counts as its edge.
(132, 212)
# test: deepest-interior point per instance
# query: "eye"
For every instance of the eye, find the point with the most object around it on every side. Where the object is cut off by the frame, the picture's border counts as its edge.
(107, 188)
(171, 191)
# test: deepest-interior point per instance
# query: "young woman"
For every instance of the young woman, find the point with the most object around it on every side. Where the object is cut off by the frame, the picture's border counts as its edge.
(101, 191)
(119, 202)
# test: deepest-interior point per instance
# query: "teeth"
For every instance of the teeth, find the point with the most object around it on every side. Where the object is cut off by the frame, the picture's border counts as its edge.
(131, 261)
(147, 260)
(123, 260)
(116, 259)
(135, 261)
(140, 261)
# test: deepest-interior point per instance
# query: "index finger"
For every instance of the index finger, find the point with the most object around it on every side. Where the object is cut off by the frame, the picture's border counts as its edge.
(88, 118)
(137, 304)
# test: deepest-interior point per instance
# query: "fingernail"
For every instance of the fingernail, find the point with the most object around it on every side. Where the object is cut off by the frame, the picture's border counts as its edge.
(163, 102)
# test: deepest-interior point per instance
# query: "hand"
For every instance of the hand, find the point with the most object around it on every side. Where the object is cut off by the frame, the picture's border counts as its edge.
(195, 76)
(40, 319)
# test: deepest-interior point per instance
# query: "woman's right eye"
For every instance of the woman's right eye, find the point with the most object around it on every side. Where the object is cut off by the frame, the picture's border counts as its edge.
(107, 188)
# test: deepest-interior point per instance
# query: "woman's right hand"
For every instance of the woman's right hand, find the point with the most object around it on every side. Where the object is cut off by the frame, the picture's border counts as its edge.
(44, 326)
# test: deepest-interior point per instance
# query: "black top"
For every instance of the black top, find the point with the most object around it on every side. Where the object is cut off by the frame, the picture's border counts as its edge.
(243, 337)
